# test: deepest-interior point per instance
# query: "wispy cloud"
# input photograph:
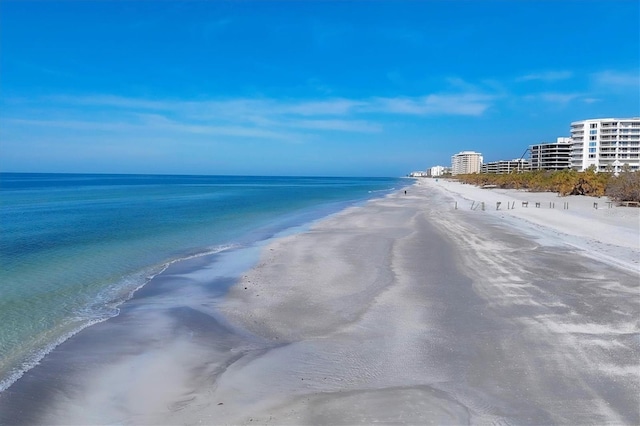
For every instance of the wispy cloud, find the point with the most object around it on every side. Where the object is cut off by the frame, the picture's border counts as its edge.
(554, 97)
(594, 88)
(353, 114)
(325, 107)
(73, 124)
(339, 125)
(448, 104)
(115, 119)
(458, 83)
(153, 124)
(617, 79)
(557, 99)
(547, 76)
(111, 101)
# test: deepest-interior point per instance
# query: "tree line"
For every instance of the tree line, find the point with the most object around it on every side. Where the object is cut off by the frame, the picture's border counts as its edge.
(624, 187)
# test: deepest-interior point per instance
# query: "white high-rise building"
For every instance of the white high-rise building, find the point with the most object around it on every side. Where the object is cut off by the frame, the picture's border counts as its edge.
(551, 155)
(606, 143)
(437, 171)
(466, 162)
(505, 166)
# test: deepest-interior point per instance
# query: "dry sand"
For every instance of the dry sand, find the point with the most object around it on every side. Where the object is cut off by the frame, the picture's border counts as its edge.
(409, 311)
(405, 310)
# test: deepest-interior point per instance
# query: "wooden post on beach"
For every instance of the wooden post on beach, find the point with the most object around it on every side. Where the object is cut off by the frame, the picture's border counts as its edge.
(472, 203)
(456, 206)
(552, 205)
(483, 206)
(595, 206)
(498, 205)
(566, 205)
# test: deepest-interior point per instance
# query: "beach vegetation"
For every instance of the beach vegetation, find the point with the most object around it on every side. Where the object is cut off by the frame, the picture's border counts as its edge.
(625, 187)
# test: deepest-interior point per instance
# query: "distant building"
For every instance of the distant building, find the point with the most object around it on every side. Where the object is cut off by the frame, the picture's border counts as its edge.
(436, 171)
(466, 162)
(419, 174)
(551, 155)
(606, 143)
(504, 166)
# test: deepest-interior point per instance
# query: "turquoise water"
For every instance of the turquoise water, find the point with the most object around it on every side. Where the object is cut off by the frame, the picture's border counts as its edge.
(73, 247)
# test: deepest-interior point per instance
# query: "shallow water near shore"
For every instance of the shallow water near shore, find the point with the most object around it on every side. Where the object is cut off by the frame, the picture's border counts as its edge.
(74, 247)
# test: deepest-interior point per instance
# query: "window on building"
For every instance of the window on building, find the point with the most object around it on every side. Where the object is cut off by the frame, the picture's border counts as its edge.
(593, 125)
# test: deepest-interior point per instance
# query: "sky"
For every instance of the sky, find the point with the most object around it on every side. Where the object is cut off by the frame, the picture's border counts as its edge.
(303, 88)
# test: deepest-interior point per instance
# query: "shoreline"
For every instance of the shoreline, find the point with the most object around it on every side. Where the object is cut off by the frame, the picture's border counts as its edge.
(401, 309)
(120, 294)
(243, 252)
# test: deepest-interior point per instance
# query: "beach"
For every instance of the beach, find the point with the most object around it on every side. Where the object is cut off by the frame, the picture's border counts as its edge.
(424, 307)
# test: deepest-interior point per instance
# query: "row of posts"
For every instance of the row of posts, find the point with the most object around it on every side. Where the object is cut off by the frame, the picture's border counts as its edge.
(512, 205)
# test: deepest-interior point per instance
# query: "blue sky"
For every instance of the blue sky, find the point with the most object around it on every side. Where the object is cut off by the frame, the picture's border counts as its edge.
(338, 88)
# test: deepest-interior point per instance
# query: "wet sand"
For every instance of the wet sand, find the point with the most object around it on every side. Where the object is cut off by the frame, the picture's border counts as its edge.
(405, 310)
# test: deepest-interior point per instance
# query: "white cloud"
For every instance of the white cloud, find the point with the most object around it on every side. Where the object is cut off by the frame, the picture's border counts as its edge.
(330, 107)
(455, 104)
(558, 98)
(155, 124)
(73, 124)
(617, 79)
(546, 76)
(603, 85)
(272, 112)
(461, 84)
(341, 125)
(285, 121)
(118, 102)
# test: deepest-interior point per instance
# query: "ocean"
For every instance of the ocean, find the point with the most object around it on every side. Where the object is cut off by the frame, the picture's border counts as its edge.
(73, 247)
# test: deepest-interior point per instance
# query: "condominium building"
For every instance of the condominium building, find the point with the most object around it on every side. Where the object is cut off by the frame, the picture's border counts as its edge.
(551, 155)
(505, 166)
(436, 171)
(606, 143)
(466, 162)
